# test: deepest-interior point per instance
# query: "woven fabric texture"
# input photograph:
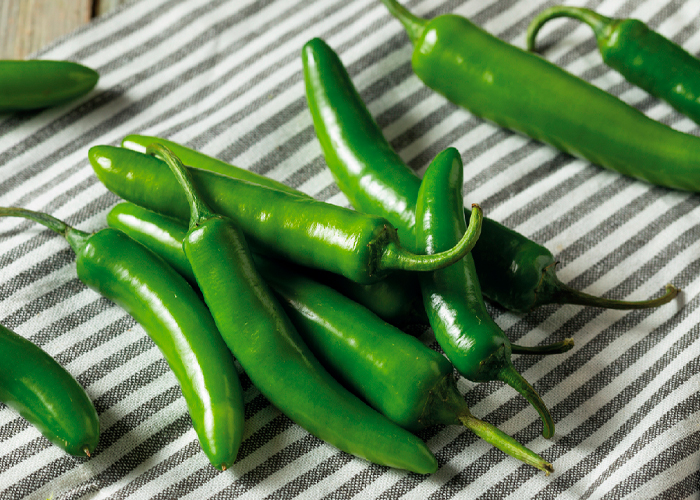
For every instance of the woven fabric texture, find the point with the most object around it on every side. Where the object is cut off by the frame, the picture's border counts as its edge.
(225, 77)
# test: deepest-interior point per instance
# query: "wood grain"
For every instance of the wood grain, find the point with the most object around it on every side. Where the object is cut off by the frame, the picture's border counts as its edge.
(28, 25)
(105, 6)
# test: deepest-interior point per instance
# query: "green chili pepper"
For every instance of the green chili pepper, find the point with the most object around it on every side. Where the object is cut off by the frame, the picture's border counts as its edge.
(395, 373)
(523, 92)
(406, 381)
(361, 247)
(644, 57)
(403, 379)
(270, 350)
(474, 343)
(514, 271)
(203, 162)
(37, 84)
(173, 316)
(44, 393)
(395, 299)
(164, 235)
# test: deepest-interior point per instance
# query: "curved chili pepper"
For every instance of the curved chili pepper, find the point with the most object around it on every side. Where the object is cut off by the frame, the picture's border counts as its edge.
(361, 247)
(514, 271)
(474, 343)
(170, 312)
(644, 57)
(270, 350)
(44, 393)
(35, 84)
(523, 92)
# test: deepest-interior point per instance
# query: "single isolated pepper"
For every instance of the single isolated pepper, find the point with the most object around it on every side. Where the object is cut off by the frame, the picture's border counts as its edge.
(474, 343)
(523, 92)
(36, 84)
(172, 314)
(44, 393)
(269, 349)
(644, 57)
(363, 248)
(513, 271)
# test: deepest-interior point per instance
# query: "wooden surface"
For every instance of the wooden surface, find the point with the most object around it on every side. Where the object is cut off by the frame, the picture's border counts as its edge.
(28, 25)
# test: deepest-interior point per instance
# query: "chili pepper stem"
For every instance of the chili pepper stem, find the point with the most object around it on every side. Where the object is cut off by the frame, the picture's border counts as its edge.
(414, 25)
(568, 295)
(396, 257)
(555, 348)
(86, 451)
(598, 22)
(75, 237)
(199, 210)
(510, 376)
(504, 442)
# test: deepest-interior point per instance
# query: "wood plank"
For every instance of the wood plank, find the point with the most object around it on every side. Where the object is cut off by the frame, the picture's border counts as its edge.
(28, 25)
(105, 6)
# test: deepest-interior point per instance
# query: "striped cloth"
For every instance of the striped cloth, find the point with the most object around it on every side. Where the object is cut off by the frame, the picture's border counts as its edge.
(225, 77)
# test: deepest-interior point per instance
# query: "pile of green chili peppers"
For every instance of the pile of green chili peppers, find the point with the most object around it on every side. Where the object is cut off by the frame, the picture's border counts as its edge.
(216, 262)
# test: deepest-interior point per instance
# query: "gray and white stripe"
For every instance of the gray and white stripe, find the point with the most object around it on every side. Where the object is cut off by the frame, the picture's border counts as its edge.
(225, 77)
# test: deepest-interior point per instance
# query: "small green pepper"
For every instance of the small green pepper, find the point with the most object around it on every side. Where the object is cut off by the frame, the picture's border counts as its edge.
(360, 247)
(44, 393)
(269, 349)
(172, 314)
(514, 271)
(644, 57)
(35, 84)
(474, 343)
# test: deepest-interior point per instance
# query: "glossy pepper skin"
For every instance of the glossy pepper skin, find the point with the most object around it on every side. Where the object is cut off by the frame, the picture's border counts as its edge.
(35, 84)
(475, 344)
(201, 161)
(395, 299)
(164, 235)
(171, 313)
(523, 92)
(403, 379)
(44, 393)
(514, 271)
(361, 247)
(260, 335)
(394, 372)
(644, 57)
